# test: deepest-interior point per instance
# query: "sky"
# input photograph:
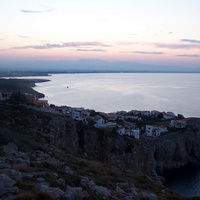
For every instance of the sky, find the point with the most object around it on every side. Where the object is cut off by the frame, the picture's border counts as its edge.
(165, 32)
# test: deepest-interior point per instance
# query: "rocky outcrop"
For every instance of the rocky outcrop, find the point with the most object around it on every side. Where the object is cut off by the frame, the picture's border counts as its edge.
(39, 180)
(7, 187)
(44, 127)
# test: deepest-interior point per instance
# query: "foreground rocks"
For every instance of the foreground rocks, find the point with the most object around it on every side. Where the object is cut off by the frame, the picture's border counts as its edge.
(36, 170)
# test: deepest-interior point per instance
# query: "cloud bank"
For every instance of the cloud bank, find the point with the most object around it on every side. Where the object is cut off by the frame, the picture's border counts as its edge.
(177, 46)
(191, 41)
(189, 55)
(63, 45)
(93, 50)
(149, 52)
(36, 11)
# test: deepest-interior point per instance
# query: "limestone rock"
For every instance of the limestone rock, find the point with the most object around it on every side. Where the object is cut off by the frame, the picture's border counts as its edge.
(75, 193)
(4, 164)
(13, 174)
(149, 196)
(11, 149)
(100, 190)
(52, 192)
(68, 170)
(7, 185)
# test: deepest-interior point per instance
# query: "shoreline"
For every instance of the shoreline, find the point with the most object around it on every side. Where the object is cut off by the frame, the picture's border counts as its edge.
(22, 85)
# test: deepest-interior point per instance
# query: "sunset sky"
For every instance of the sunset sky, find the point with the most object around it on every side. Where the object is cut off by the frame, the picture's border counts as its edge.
(165, 32)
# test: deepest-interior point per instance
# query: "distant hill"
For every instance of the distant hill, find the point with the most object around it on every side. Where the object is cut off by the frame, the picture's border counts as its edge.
(89, 66)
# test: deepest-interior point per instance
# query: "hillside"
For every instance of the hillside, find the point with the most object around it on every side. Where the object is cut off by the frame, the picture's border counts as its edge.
(52, 157)
(22, 85)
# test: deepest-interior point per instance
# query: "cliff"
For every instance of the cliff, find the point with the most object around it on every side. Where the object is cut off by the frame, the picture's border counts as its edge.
(173, 150)
(38, 129)
(152, 156)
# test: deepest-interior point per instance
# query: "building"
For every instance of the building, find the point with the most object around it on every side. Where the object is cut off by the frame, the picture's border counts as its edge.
(121, 131)
(76, 115)
(31, 98)
(98, 120)
(42, 103)
(155, 131)
(136, 133)
(168, 115)
(178, 123)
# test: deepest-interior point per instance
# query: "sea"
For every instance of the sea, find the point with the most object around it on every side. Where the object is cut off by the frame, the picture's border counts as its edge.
(111, 92)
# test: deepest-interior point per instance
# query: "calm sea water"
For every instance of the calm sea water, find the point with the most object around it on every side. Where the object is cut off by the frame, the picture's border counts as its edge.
(184, 181)
(107, 92)
(179, 93)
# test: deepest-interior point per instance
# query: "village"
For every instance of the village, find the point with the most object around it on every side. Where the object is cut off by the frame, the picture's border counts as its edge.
(134, 123)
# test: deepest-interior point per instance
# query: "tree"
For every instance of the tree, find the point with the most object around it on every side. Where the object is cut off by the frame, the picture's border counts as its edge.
(17, 98)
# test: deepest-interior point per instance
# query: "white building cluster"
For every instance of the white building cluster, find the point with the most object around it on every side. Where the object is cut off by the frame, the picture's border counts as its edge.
(127, 127)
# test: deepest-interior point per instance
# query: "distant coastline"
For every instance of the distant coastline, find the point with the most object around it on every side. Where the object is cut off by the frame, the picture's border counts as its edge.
(90, 66)
(22, 85)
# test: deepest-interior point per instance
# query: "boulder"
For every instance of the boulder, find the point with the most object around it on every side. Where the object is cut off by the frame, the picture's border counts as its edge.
(149, 196)
(4, 163)
(7, 185)
(52, 192)
(13, 174)
(68, 170)
(85, 181)
(102, 191)
(75, 193)
(11, 149)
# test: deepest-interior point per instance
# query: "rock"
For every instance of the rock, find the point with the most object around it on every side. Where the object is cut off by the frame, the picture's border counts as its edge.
(134, 190)
(31, 175)
(102, 191)
(85, 181)
(14, 174)
(91, 184)
(4, 163)
(119, 191)
(52, 192)
(75, 193)
(60, 182)
(11, 149)
(149, 196)
(42, 182)
(39, 180)
(68, 170)
(53, 162)
(55, 175)
(7, 185)
(41, 157)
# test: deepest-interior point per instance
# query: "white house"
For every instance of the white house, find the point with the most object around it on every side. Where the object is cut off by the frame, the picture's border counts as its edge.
(152, 131)
(136, 133)
(77, 116)
(121, 131)
(168, 115)
(155, 131)
(178, 123)
(98, 120)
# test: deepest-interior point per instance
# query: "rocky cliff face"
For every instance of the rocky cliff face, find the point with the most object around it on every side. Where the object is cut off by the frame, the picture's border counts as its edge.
(44, 127)
(171, 151)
